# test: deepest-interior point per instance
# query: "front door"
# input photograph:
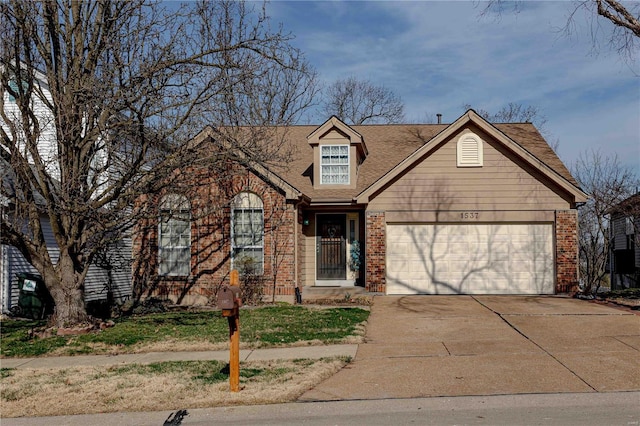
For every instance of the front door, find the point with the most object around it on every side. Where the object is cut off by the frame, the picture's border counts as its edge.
(331, 247)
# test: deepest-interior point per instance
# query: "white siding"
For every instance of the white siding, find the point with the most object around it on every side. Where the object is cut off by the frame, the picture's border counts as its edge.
(47, 141)
(98, 279)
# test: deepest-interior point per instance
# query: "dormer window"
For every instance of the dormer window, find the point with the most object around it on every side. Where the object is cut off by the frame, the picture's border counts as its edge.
(469, 151)
(334, 164)
(337, 152)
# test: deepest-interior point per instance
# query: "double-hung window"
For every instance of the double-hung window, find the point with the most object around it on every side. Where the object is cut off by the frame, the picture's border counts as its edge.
(334, 164)
(247, 239)
(174, 236)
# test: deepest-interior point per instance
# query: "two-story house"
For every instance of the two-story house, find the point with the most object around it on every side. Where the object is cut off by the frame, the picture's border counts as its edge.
(110, 275)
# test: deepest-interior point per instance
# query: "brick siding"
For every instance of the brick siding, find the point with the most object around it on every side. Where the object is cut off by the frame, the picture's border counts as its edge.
(375, 252)
(211, 242)
(566, 251)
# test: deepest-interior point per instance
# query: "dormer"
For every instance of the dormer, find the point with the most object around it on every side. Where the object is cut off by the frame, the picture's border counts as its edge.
(338, 150)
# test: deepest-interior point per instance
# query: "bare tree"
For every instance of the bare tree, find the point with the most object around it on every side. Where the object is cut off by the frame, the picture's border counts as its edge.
(622, 36)
(98, 100)
(514, 113)
(518, 113)
(360, 101)
(607, 182)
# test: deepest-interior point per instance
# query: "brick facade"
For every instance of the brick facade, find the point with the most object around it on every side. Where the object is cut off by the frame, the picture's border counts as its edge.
(211, 241)
(375, 256)
(566, 231)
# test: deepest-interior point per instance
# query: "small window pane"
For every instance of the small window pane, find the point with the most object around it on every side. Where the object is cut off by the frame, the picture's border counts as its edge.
(248, 234)
(174, 239)
(334, 167)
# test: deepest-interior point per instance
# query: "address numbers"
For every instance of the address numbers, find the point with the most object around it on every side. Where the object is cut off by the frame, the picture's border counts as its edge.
(469, 215)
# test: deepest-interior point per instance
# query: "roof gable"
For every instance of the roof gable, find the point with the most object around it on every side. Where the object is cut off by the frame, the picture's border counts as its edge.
(334, 124)
(471, 117)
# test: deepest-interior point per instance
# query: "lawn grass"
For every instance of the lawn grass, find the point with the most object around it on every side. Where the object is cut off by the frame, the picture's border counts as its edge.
(156, 387)
(259, 327)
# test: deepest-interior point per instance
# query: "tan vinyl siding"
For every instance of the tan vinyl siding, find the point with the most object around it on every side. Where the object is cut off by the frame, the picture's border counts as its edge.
(309, 261)
(437, 184)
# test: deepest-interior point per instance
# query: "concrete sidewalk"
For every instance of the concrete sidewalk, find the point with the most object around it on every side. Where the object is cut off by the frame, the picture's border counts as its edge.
(308, 352)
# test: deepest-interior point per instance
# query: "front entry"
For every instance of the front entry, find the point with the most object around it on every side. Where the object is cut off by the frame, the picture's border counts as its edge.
(331, 247)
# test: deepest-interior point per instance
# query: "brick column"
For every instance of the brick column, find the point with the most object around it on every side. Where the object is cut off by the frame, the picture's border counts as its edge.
(566, 251)
(375, 246)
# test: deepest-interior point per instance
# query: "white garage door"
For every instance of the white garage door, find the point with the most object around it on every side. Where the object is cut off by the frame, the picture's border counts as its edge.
(470, 259)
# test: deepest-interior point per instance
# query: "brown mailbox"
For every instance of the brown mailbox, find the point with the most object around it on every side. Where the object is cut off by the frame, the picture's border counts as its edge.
(229, 300)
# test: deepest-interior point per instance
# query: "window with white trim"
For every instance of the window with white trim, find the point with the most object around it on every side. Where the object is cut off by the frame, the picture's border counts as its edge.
(469, 151)
(334, 164)
(247, 233)
(174, 236)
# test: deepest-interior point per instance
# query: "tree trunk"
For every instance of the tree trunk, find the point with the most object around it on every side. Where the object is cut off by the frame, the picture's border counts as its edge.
(66, 286)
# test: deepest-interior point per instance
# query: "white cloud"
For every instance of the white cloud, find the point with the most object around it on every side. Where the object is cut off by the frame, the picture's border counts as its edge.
(439, 56)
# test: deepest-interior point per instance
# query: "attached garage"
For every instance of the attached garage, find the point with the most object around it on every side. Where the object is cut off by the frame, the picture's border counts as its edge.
(496, 258)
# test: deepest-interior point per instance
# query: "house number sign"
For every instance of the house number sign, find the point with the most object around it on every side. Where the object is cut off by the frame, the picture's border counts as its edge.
(469, 215)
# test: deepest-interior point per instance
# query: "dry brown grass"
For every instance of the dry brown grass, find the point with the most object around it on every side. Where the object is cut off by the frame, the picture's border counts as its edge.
(87, 390)
(167, 345)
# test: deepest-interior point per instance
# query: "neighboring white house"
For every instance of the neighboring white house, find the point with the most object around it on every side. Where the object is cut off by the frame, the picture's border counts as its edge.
(109, 276)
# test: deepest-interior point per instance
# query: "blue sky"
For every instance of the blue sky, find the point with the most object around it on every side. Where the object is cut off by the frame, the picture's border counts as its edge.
(438, 56)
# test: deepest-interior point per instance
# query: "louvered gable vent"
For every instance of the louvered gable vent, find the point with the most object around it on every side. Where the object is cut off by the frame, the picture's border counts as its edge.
(469, 151)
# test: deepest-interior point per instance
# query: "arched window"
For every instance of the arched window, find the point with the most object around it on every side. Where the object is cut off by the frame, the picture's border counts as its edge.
(247, 233)
(174, 236)
(469, 152)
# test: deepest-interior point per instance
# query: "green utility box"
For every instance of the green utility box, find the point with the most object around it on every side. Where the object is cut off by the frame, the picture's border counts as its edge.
(34, 301)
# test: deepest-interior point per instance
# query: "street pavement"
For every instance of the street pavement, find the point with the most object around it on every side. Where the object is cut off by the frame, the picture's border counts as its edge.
(566, 409)
(433, 348)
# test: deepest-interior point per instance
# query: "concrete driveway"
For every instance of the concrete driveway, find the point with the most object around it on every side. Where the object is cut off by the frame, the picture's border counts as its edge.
(423, 346)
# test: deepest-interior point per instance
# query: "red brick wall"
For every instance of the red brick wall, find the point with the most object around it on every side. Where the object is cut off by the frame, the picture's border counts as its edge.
(566, 251)
(210, 240)
(375, 251)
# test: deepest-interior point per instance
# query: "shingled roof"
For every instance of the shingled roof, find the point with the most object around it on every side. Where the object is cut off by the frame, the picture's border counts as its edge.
(629, 206)
(388, 146)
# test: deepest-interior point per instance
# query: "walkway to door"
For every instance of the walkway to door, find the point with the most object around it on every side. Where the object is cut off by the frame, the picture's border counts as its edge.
(421, 346)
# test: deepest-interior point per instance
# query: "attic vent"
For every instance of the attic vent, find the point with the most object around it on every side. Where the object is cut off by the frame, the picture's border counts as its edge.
(469, 151)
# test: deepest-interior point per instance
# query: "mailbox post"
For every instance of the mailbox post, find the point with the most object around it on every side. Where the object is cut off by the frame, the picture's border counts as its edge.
(229, 302)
